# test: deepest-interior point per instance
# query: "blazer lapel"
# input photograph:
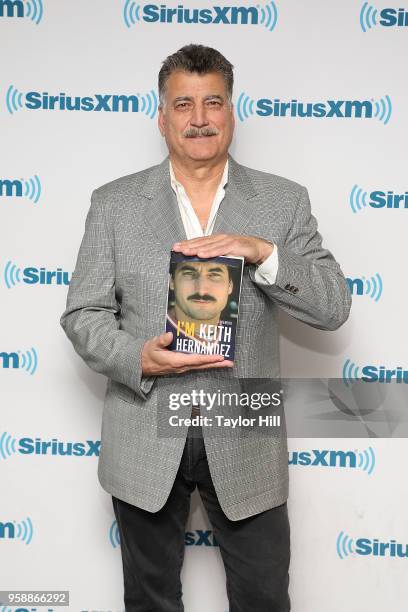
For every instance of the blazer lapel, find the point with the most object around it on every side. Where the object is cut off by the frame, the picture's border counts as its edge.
(163, 212)
(234, 212)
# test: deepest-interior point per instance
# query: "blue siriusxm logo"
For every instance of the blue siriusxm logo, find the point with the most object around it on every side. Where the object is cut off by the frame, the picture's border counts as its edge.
(13, 275)
(18, 360)
(327, 109)
(373, 547)
(12, 530)
(360, 199)
(31, 9)
(371, 287)
(36, 446)
(114, 536)
(353, 373)
(388, 17)
(6, 609)
(198, 537)
(263, 15)
(110, 103)
(21, 188)
(360, 460)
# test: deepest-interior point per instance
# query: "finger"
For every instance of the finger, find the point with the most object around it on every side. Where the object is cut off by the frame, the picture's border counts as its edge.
(164, 339)
(184, 243)
(216, 251)
(188, 359)
(221, 247)
(222, 364)
(171, 369)
(208, 244)
(202, 240)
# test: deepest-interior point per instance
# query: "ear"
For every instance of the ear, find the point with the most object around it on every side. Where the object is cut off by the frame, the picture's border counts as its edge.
(171, 283)
(161, 122)
(230, 287)
(233, 115)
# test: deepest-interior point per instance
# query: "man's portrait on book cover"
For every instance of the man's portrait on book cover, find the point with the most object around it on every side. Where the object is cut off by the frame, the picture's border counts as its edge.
(202, 308)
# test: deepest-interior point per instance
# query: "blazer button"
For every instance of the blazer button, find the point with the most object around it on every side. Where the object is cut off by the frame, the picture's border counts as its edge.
(287, 286)
(295, 290)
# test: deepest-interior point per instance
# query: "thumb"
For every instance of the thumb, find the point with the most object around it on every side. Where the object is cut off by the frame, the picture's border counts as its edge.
(164, 339)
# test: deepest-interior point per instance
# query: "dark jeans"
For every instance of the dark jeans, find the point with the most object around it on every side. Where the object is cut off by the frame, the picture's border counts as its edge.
(255, 550)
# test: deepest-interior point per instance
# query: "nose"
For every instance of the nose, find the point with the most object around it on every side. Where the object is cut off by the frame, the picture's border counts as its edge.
(202, 285)
(199, 116)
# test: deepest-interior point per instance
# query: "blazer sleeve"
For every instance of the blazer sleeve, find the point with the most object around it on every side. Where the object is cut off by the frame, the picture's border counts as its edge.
(309, 285)
(92, 314)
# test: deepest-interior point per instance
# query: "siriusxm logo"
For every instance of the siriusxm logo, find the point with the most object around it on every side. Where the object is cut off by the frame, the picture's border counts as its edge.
(265, 16)
(371, 547)
(110, 103)
(198, 537)
(372, 287)
(360, 199)
(27, 361)
(327, 109)
(34, 276)
(37, 446)
(17, 531)
(362, 460)
(31, 9)
(372, 373)
(21, 188)
(114, 536)
(387, 17)
(5, 609)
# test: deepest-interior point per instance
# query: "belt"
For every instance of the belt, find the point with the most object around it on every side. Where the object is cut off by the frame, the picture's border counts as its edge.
(195, 411)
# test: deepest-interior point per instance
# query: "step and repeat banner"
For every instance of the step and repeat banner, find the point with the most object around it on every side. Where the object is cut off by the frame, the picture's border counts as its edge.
(320, 98)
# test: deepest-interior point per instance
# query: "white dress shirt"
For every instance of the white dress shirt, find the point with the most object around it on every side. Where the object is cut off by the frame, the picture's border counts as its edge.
(265, 273)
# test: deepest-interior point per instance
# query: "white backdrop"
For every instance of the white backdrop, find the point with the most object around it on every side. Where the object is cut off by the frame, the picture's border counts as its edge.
(57, 526)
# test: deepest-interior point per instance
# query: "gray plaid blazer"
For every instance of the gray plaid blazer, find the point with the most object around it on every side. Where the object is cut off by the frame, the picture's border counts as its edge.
(117, 300)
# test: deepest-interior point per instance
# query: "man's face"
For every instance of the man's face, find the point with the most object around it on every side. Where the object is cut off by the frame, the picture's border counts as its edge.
(197, 121)
(201, 289)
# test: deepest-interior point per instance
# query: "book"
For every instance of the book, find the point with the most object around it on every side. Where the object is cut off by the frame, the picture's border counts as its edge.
(203, 304)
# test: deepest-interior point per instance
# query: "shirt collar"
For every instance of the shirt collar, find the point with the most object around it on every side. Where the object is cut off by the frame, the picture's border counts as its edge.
(177, 185)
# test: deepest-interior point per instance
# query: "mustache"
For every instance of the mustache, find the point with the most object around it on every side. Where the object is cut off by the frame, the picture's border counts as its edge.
(206, 297)
(194, 132)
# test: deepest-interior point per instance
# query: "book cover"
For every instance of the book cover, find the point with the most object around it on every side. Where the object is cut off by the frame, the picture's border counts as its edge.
(203, 304)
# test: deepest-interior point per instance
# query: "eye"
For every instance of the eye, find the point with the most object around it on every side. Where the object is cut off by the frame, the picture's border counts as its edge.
(214, 103)
(182, 105)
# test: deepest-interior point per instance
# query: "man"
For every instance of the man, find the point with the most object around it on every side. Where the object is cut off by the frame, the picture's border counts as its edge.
(200, 202)
(201, 292)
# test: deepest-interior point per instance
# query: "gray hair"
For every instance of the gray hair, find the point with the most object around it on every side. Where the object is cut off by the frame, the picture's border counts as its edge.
(199, 59)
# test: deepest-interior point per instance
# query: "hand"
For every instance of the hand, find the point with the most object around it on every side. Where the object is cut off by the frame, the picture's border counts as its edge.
(255, 250)
(157, 359)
